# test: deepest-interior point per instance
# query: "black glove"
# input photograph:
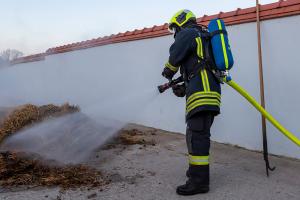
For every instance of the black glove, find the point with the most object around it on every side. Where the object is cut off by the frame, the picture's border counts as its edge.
(179, 90)
(168, 73)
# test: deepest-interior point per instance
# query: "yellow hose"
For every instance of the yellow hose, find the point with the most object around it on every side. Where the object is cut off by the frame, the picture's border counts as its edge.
(269, 117)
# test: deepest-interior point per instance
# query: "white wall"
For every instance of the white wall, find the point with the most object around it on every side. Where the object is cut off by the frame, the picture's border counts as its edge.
(282, 68)
(110, 78)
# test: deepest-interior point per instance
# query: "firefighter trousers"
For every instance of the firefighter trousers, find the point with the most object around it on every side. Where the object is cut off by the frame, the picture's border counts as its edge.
(198, 143)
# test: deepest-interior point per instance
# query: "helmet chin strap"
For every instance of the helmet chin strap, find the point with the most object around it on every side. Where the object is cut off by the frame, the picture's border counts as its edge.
(177, 31)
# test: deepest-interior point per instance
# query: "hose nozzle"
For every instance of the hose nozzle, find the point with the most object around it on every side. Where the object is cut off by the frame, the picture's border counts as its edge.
(166, 86)
(163, 88)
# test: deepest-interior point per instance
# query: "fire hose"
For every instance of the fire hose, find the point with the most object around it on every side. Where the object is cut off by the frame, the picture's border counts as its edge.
(228, 80)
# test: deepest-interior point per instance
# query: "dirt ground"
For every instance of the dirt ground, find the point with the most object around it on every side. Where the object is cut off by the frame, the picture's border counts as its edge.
(154, 166)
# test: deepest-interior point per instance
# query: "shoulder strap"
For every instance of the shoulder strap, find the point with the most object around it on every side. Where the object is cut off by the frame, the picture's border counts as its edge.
(212, 34)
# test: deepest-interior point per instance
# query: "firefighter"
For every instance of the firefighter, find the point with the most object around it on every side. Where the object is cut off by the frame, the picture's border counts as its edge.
(203, 96)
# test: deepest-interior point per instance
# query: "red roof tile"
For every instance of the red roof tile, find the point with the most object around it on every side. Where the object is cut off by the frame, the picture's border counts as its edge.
(282, 8)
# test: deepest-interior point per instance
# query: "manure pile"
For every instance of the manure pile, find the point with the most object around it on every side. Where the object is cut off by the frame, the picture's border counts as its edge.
(19, 169)
(134, 136)
(27, 115)
(23, 169)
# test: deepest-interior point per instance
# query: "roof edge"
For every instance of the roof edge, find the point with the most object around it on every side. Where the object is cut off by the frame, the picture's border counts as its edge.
(30, 58)
(282, 8)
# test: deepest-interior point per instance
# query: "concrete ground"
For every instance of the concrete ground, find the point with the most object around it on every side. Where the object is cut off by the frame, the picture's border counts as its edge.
(153, 172)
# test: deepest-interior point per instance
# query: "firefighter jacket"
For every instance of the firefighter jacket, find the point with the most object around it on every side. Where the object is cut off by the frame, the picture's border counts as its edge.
(203, 90)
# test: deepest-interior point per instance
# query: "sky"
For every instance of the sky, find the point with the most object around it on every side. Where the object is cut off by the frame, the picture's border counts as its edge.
(33, 26)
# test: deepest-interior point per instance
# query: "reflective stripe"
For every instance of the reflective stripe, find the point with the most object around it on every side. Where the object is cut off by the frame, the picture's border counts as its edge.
(199, 47)
(223, 45)
(171, 67)
(202, 102)
(206, 78)
(198, 160)
(205, 81)
(207, 95)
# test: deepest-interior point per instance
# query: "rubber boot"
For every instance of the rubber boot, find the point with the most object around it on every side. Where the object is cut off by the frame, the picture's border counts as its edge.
(191, 188)
(198, 181)
(188, 174)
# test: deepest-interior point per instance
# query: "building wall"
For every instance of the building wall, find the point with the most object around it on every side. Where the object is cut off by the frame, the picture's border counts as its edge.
(120, 80)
